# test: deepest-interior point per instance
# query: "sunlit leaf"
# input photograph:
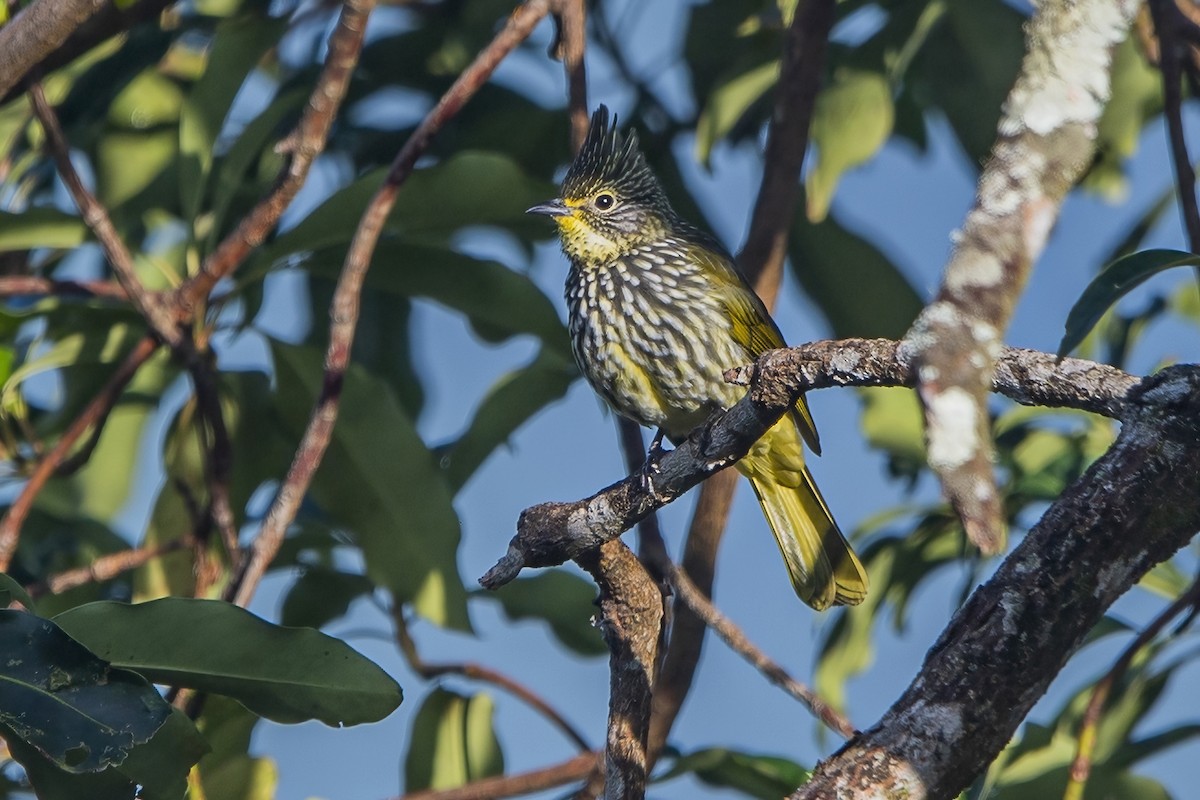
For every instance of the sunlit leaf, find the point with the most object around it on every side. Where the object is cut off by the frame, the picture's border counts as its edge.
(41, 227)
(284, 674)
(453, 742)
(728, 102)
(851, 121)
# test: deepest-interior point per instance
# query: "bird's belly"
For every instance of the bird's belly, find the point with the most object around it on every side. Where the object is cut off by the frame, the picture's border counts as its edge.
(663, 372)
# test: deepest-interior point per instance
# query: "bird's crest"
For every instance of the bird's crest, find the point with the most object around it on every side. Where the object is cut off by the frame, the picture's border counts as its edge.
(609, 160)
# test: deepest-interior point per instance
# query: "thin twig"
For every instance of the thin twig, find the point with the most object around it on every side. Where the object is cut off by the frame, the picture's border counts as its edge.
(19, 285)
(513, 785)
(478, 672)
(96, 217)
(106, 567)
(303, 145)
(1081, 766)
(737, 641)
(95, 414)
(345, 306)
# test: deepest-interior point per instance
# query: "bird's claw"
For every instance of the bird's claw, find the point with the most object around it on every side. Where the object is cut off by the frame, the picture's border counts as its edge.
(649, 468)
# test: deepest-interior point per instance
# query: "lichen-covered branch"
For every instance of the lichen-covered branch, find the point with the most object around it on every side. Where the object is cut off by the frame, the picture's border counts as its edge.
(551, 533)
(1132, 509)
(1045, 140)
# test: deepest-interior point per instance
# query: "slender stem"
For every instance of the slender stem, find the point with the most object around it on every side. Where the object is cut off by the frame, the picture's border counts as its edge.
(106, 567)
(513, 785)
(740, 644)
(17, 285)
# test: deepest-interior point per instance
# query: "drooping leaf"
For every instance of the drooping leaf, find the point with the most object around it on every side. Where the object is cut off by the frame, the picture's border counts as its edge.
(729, 101)
(284, 674)
(851, 121)
(754, 775)
(453, 742)
(72, 706)
(562, 600)
(1114, 282)
(966, 67)
(10, 590)
(380, 481)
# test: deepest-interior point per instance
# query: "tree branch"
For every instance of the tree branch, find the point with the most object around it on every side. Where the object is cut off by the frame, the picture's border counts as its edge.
(36, 32)
(18, 285)
(550, 533)
(1046, 139)
(105, 568)
(345, 306)
(1133, 508)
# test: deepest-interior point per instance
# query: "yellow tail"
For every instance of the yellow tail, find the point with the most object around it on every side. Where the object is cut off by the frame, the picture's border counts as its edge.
(823, 568)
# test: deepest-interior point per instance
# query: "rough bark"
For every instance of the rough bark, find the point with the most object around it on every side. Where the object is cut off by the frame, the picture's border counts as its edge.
(1133, 508)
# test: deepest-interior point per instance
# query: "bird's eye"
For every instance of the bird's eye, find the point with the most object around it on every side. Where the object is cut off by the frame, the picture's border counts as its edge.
(604, 201)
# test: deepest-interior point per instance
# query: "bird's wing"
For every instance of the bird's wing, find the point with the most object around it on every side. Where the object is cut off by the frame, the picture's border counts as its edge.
(753, 328)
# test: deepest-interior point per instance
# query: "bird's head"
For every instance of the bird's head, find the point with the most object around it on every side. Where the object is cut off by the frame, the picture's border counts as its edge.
(610, 202)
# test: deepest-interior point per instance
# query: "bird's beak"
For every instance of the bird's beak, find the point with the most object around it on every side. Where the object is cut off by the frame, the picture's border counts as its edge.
(552, 208)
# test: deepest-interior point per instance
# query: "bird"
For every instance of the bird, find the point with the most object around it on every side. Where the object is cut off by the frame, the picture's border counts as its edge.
(657, 312)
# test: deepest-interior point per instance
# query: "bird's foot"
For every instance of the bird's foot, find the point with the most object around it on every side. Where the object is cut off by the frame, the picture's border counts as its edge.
(649, 470)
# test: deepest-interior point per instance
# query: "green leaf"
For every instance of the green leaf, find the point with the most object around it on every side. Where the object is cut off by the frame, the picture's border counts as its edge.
(1114, 282)
(852, 119)
(283, 674)
(856, 286)
(761, 776)
(73, 707)
(320, 596)
(566, 602)
(238, 46)
(432, 204)
(150, 100)
(508, 404)
(129, 162)
(453, 742)
(41, 227)
(52, 783)
(11, 590)
(729, 102)
(380, 481)
(498, 301)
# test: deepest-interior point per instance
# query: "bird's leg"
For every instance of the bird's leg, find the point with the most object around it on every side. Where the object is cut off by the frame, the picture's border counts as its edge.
(650, 465)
